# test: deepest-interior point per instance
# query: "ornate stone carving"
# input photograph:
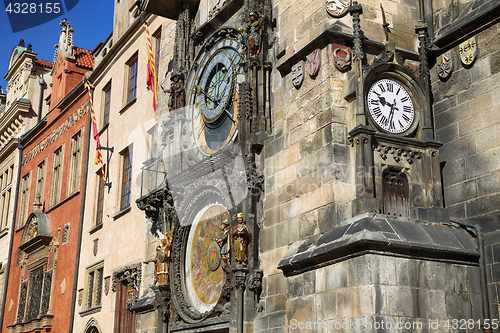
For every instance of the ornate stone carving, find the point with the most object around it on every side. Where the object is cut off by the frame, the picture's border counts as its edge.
(313, 62)
(468, 51)
(445, 65)
(255, 181)
(341, 57)
(132, 274)
(240, 274)
(298, 74)
(381, 59)
(66, 39)
(399, 154)
(337, 8)
(356, 10)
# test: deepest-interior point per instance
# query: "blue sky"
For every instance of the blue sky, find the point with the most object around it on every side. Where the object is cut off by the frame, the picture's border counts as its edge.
(91, 19)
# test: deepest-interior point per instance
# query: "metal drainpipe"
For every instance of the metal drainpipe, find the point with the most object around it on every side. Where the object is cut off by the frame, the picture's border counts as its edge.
(41, 81)
(482, 270)
(4, 298)
(80, 228)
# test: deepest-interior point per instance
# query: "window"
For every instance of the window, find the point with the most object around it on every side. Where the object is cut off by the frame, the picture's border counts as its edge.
(38, 265)
(5, 191)
(126, 178)
(100, 199)
(126, 284)
(157, 41)
(94, 278)
(56, 176)
(107, 104)
(153, 140)
(22, 213)
(124, 318)
(396, 193)
(75, 163)
(65, 234)
(132, 79)
(40, 182)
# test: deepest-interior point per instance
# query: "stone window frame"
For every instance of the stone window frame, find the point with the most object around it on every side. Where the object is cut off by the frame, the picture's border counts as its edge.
(41, 175)
(94, 279)
(42, 257)
(157, 48)
(6, 180)
(75, 163)
(99, 204)
(56, 176)
(92, 326)
(132, 71)
(126, 156)
(24, 197)
(106, 104)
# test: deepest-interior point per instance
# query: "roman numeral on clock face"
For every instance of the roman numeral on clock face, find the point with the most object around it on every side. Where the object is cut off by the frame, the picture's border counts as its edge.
(390, 106)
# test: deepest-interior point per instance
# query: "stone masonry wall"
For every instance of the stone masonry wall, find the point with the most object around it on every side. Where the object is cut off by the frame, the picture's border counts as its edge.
(374, 288)
(466, 120)
(309, 164)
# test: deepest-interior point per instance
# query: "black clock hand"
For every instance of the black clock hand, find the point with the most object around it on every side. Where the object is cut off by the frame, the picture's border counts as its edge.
(391, 114)
(204, 93)
(229, 115)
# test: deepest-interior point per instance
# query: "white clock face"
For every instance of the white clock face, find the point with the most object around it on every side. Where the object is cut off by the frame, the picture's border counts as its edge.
(390, 106)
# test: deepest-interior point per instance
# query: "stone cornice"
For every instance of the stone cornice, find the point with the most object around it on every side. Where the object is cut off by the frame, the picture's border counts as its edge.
(17, 65)
(12, 120)
(474, 17)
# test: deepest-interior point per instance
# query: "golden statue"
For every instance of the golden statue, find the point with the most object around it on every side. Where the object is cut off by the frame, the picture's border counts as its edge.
(241, 238)
(163, 257)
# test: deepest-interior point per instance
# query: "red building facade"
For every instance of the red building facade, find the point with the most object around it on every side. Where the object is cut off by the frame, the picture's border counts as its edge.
(45, 241)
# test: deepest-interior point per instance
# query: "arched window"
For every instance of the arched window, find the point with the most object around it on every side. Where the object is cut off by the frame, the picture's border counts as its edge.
(395, 193)
(92, 326)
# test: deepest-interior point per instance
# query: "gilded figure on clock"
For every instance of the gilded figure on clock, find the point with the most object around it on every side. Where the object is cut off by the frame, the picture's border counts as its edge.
(254, 33)
(176, 91)
(241, 237)
(224, 243)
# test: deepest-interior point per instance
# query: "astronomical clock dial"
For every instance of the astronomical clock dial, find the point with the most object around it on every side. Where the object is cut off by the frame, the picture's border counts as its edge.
(204, 276)
(213, 97)
(390, 106)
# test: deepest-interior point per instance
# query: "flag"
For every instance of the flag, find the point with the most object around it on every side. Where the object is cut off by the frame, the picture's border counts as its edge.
(151, 81)
(95, 134)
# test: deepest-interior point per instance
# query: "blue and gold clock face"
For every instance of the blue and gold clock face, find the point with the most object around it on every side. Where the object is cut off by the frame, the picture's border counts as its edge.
(213, 97)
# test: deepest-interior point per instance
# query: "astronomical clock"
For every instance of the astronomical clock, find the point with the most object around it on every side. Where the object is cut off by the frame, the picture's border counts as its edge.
(200, 278)
(213, 95)
(222, 124)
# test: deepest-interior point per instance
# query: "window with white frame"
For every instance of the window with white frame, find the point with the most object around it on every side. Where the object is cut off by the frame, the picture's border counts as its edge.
(93, 290)
(56, 176)
(75, 163)
(24, 192)
(5, 194)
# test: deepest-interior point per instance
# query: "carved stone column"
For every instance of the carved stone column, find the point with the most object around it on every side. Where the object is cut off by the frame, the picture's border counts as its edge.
(357, 62)
(361, 139)
(240, 274)
(424, 76)
(182, 41)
